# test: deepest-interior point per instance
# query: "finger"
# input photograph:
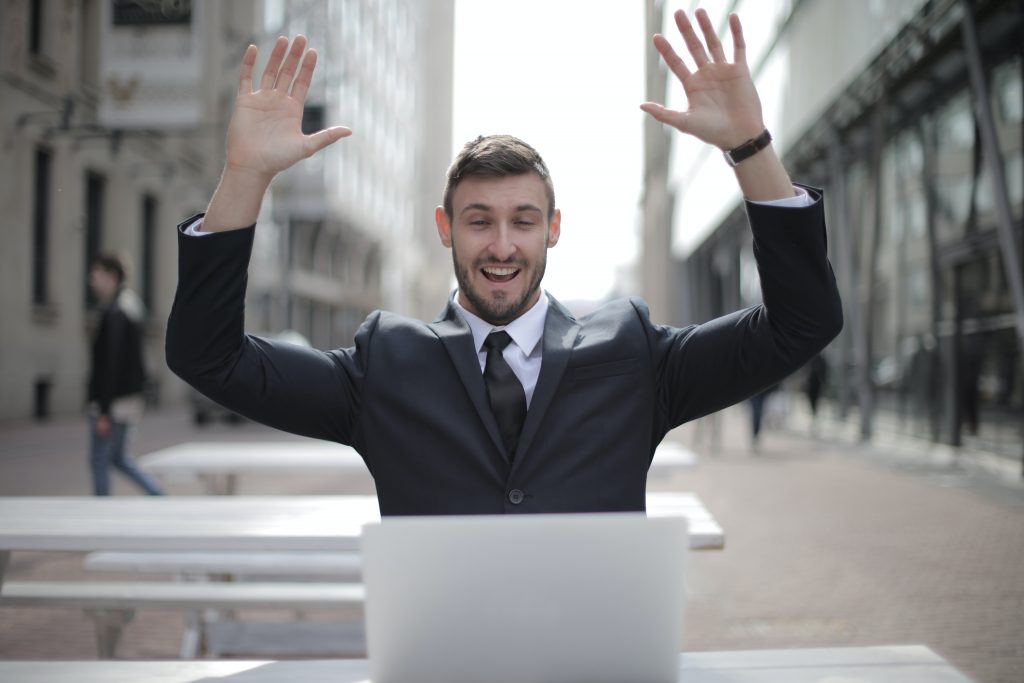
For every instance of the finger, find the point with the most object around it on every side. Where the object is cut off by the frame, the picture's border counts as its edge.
(301, 85)
(693, 43)
(672, 60)
(676, 119)
(245, 78)
(317, 141)
(287, 72)
(710, 37)
(273, 64)
(739, 46)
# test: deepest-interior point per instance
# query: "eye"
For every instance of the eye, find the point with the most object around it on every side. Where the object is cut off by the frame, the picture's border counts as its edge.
(523, 221)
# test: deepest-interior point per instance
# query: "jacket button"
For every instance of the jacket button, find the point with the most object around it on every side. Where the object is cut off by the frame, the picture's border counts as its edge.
(515, 496)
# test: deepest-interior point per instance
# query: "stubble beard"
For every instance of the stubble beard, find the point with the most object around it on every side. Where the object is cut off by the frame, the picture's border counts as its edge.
(500, 310)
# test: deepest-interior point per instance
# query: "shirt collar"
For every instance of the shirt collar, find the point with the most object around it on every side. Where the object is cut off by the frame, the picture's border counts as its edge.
(526, 330)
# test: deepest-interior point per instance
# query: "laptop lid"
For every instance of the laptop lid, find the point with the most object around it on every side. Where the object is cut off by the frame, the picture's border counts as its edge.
(525, 598)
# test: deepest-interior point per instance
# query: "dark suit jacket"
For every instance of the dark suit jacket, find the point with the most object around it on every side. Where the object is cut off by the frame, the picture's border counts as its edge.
(410, 397)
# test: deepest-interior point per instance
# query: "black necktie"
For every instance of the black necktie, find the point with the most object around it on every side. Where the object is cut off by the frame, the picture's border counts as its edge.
(508, 400)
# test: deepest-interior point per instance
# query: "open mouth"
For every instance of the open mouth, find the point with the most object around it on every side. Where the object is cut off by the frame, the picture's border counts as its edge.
(500, 273)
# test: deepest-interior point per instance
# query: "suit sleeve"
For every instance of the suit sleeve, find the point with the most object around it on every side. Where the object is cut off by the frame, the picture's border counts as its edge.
(707, 367)
(289, 387)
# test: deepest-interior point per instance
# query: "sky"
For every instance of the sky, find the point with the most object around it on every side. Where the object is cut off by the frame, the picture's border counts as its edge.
(568, 79)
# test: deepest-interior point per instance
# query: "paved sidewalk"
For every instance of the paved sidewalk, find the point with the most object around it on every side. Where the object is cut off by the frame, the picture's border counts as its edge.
(826, 545)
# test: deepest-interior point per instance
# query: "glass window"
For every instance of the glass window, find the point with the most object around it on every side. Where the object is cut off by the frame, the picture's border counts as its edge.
(954, 166)
(41, 228)
(1009, 106)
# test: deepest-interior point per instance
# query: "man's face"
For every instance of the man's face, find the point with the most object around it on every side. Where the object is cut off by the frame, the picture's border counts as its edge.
(499, 234)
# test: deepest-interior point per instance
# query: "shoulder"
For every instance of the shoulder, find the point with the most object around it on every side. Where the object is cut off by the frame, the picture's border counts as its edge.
(622, 312)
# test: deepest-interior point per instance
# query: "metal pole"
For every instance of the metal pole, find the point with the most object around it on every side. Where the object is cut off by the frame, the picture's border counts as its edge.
(841, 226)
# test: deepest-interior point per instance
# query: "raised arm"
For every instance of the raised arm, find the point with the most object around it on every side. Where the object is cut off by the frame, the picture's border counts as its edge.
(265, 134)
(723, 108)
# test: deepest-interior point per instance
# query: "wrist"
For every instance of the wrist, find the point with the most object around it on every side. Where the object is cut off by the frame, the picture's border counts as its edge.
(245, 177)
(747, 148)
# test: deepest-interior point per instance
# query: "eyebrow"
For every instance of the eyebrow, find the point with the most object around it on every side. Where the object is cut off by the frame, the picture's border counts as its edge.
(484, 207)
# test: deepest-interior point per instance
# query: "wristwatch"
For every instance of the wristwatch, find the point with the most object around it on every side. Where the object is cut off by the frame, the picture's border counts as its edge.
(748, 149)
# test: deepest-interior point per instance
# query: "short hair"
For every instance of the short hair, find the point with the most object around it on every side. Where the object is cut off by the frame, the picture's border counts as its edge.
(113, 262)
(496, 156)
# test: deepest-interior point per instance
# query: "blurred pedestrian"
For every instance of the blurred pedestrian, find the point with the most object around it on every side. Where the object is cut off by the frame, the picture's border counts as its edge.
(814, 382)
(757, 403)
(117, 376)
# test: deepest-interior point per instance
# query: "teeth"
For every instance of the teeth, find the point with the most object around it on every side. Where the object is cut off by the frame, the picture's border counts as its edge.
(500, 272)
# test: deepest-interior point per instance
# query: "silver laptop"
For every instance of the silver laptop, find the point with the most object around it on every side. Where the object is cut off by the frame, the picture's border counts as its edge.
(595, 598)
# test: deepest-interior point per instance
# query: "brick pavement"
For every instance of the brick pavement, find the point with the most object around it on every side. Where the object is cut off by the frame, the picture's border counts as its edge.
(826, 546)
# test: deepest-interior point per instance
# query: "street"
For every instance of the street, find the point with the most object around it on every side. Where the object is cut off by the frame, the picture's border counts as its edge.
(826, 545)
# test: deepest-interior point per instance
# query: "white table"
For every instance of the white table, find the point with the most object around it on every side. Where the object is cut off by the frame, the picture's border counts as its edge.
(219, 464)
(897, 664)
(259, 523)
(264, 523)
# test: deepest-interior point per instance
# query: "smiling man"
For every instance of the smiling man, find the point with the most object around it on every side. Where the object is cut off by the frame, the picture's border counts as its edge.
(506, 403)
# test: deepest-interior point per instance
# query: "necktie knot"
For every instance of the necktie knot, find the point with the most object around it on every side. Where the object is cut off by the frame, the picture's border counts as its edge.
(497, 340)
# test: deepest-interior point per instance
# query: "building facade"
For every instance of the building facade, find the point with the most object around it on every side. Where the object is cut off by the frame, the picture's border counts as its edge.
(72, 184)
(911, 119)
(105, 147)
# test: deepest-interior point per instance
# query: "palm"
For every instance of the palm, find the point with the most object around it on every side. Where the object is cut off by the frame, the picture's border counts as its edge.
(265, 134)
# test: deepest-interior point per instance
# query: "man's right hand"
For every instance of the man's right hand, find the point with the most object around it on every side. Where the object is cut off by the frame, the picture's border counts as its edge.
(265, 134)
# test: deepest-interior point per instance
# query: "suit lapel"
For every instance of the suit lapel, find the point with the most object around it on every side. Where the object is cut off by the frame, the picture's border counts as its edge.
(457, 338)
(560, 331)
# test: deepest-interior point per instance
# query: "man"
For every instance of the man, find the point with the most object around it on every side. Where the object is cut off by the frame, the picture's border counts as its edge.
(506, 403)
(117, 376)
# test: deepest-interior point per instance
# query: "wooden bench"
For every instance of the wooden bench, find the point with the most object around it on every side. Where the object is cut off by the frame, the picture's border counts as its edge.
(335, 566)
(112, 604)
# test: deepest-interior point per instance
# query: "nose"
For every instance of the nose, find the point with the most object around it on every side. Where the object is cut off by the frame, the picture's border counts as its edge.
(502, 247)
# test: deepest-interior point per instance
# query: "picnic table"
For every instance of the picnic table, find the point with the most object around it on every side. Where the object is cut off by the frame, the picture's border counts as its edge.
(892, 664)
(220, 465)
(291, 527)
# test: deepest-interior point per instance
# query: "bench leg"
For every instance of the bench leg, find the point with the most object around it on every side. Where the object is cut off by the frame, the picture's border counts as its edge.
(192, 639)
(5, 559)
(109, 625)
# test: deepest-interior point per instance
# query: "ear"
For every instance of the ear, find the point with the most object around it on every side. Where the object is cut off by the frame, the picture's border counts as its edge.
(444, 228)
(554, 228)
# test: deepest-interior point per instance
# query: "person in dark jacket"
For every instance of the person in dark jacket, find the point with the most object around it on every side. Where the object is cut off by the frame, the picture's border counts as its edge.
(117, 376)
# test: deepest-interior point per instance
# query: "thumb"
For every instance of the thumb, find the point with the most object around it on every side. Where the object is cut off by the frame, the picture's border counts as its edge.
(676, 119)
(317, 141)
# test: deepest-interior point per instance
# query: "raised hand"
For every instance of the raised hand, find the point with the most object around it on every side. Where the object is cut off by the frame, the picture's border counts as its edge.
(723, 106)
(265, 134)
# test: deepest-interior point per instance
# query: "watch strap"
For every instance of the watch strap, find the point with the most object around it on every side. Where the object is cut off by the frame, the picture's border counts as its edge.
(748, 149)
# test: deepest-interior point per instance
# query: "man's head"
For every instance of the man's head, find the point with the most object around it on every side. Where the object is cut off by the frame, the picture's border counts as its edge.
(498, 218)
(107, 273)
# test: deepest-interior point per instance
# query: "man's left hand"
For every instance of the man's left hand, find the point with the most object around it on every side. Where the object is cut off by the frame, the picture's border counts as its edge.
(723, 107)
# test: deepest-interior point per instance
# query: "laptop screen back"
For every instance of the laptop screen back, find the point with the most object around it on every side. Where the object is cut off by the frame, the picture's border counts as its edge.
(531, 598)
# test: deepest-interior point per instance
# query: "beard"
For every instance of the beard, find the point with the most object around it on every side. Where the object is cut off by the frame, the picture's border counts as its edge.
(500, 310)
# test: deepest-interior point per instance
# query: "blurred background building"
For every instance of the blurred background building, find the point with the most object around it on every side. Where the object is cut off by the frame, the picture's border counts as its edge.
(112, 125)
(909, 114)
